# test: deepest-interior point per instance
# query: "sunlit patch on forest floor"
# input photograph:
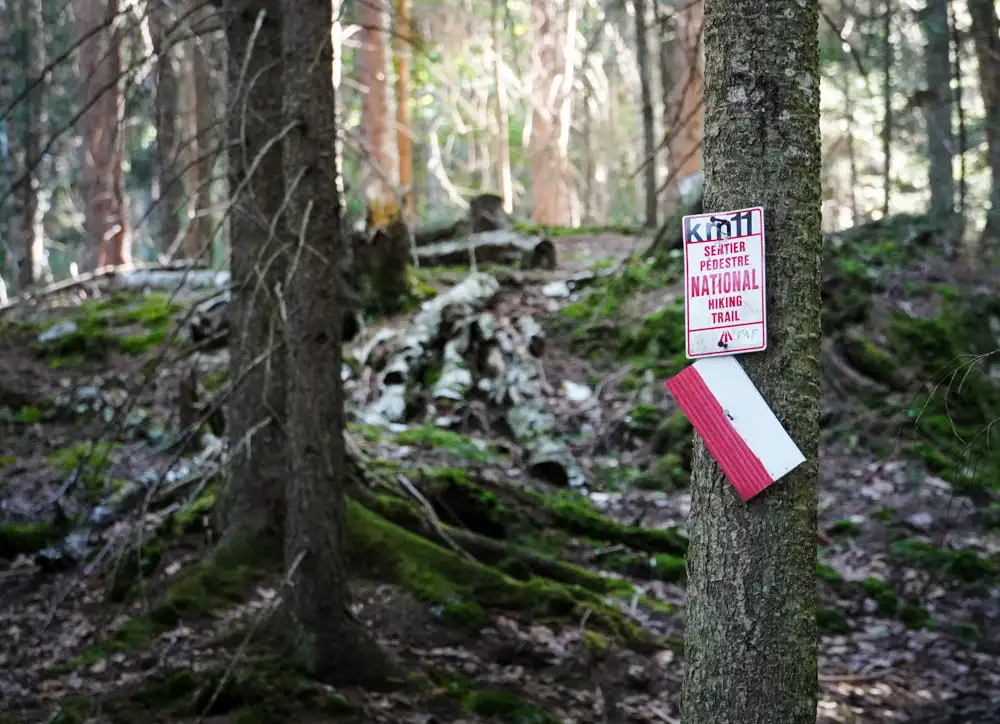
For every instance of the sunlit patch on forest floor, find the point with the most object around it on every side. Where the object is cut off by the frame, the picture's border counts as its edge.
(544, 446)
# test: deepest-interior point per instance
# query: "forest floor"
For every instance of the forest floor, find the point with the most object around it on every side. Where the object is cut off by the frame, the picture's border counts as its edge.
(111, 610)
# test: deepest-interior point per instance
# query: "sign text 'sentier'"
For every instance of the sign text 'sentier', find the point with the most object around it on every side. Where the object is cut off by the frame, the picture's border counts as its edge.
(724, 301)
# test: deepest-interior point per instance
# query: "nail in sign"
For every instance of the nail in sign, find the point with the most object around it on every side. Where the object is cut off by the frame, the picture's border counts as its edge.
(725, 310)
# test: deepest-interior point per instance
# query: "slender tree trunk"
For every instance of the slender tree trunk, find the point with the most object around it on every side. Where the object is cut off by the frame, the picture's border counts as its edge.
(8, 168)
(750, 635)
(35, 267)
(648, 125)
(986, 33)
(963, 140)
(201, 143)
(686, 111)
(372, 73)
(851, 153)
(504, 180)
(331, 644)
(103, 150)
(169, 182)
(940, 138)
(552, 187)
(403, 130)
(887, 62)
(252, 507)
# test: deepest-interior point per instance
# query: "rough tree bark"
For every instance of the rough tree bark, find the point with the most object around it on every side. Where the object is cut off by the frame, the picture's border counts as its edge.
(252, 506)
(103, 148)
(686, 115)
(34, 267)
(552, 189)
(986, 33)
(648, 127)
(169, 183)
(937, 110)
(329, 643)
(750, 636)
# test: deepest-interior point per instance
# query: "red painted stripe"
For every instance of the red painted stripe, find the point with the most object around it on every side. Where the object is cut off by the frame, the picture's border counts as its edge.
(738, 462)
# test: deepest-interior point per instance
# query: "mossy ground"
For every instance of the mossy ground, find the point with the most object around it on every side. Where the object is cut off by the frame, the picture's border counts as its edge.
(119, 323)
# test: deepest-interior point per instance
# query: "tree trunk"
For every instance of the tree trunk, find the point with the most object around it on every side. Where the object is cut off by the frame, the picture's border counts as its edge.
(197, 101)
(169, 180)
(330, 643)
(553, 195)
(940, 138)
(34, 267)
(253, 503)
(403, 130)
(103, 149)
(648, 128)
(887, 62)
(750, 635)
(504, 180)
(8, 169)
(986, 33)
(686, 109)
(372, 73)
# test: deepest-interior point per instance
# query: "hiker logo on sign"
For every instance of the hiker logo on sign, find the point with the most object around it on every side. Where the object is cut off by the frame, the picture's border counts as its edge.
(724, 302)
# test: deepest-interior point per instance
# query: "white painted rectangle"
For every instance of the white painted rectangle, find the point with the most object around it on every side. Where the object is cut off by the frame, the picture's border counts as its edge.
(725, 307)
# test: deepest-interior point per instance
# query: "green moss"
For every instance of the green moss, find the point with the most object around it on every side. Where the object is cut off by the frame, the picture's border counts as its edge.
(869, 359)
(882, 594)
(140, 343)
(268, 689)
(138, 563)
(567, 231)
(499, 705)
(215, 379)
(194, 513)
(914, 616)
(967, 630)
(102, 326)
(440, 438)
(28, 415)
(384, 551)
(210, 586)
(827, 573)
(91, 462)
(7, 461)
(576, 515)
(28, 538)
(844, 527)
(965, 565)
(506, 707)
(832, 621)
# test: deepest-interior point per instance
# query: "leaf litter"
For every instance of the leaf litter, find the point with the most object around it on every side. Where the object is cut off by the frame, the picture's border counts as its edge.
(546, 419)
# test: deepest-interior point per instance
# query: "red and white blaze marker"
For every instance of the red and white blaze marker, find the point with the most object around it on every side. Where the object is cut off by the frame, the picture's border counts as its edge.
(739, 429)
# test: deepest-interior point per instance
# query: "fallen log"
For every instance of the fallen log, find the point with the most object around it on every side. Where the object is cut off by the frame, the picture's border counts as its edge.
(491, 247)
